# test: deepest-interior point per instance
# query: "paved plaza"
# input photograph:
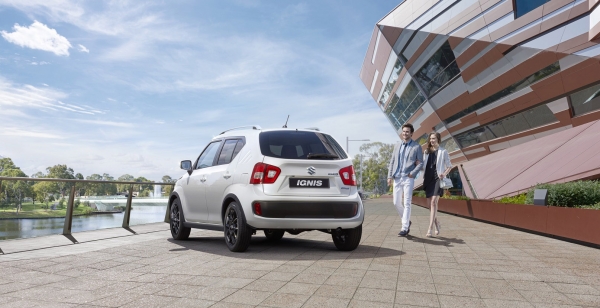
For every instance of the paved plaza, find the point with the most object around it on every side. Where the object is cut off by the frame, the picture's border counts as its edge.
(471, 264)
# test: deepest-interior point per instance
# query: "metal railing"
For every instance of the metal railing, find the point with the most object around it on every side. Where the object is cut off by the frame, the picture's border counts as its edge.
(69, 213)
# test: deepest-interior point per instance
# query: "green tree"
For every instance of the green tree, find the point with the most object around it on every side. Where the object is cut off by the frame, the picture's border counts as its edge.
(81, 187)
(43, 191)
(16, 190)
(121, 188)
(167, 189)
(100, 189)
(141, 187)
(376, 156)
(61, 172)
(13, 190)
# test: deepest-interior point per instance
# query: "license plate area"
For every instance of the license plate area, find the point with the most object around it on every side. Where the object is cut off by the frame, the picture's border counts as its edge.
(309, 183)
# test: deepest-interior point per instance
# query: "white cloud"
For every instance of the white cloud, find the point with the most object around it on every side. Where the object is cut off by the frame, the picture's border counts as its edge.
(106, 123)
(38, 36)
(15, 97)
(83, 48)
(9, 131)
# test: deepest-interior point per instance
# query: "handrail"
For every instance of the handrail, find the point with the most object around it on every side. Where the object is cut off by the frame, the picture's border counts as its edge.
(2, 178)
(69, 212)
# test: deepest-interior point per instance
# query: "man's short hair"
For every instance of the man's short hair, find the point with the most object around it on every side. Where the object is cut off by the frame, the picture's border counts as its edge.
(412, 129)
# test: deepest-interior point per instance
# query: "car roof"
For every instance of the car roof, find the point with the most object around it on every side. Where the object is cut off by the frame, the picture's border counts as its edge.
(252, 132)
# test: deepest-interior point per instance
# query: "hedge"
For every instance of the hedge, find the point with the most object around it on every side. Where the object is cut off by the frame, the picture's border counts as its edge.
(583, 194)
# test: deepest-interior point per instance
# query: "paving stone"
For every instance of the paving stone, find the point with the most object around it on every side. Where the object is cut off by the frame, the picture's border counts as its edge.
(248, 297)
(417, 299)
(374, 295)
(299, 288)
(285, 300)
(326, 302)
(460, 302)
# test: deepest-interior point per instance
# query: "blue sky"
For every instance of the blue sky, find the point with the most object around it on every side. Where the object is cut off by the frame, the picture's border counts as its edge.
(137, 86)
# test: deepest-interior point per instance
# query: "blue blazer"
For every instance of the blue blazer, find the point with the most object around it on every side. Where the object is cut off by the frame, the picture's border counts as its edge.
(413, 160)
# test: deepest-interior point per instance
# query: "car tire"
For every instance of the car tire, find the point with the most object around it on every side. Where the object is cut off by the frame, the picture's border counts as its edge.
(274, 235)
(347, 239)
(178, 231)
(237, 232)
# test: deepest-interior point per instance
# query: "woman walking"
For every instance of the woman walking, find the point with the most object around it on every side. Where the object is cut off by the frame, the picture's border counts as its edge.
(437, 165)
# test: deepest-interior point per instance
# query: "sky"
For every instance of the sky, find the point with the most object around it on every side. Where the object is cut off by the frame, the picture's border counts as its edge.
(134, 87)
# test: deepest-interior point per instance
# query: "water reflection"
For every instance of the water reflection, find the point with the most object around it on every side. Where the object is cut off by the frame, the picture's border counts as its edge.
(23, 228)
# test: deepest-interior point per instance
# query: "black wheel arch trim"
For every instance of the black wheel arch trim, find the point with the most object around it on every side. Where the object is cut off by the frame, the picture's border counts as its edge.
(226, 202)
(174, 195)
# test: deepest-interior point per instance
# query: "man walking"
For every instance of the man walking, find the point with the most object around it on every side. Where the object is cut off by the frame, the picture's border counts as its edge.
(405, 164)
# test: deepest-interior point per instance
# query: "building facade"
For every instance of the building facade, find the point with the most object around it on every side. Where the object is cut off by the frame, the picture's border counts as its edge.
(486, 74)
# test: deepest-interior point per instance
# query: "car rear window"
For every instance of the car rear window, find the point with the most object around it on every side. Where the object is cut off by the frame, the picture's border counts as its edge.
(300, 145)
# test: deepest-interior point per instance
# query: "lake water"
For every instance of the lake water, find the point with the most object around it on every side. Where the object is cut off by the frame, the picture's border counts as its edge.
(23, 228)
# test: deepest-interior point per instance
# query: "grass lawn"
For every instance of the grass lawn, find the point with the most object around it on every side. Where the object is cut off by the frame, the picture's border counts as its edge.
(38, 210)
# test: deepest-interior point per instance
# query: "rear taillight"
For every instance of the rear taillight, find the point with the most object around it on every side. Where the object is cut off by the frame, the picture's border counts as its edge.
(264, 174)
(348, 176)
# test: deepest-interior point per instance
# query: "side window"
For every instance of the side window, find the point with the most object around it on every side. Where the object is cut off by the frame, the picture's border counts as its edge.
(207, 157)
(238, 148)
(227, 152)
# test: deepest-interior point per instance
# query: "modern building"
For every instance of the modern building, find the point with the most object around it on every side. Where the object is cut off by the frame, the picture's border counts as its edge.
(486, 74)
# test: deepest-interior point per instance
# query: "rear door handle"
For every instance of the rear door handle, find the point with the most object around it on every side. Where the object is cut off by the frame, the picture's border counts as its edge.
(226, 176)
(203, 180)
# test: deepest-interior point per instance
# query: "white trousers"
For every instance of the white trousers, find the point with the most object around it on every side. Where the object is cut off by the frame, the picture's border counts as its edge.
(402, 198)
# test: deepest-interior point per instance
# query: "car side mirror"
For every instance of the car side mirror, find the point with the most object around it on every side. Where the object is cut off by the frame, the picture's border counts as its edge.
(186, 165)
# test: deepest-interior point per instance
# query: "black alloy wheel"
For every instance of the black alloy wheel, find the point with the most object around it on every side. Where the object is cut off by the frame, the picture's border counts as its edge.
(347, 239)
(237, 233)
(178, 231)
(274, 235)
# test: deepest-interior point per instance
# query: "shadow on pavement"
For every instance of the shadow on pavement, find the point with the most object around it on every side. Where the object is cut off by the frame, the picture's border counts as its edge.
(302, 249)
(438, 241)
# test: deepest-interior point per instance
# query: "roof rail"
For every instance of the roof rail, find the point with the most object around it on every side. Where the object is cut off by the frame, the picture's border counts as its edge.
(242, 127)
(313, 128)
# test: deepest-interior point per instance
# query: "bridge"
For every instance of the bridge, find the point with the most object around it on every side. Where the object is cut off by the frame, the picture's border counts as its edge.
(471, 264)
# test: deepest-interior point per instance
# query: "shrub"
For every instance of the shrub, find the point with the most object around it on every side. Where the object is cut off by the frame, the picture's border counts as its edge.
(572, 194)
(77, 203)
(518, 199)
(419, 193)
(454, 197)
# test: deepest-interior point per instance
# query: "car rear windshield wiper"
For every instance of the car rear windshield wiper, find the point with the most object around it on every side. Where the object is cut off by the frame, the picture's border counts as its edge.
(321, 155)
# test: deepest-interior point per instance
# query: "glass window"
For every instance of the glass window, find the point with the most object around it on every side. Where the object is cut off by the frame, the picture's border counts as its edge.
(450, 145)
(516, 123)
(405, 105)
(391, 82)
(586, 100)
(423, 139)
(299, 145)
(227, 152)
(238, 148)
(523, 7)
(438, 70)
(207, 158)
(521, 84)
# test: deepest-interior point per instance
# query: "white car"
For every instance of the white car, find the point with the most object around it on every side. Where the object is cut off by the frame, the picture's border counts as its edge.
(277, 180)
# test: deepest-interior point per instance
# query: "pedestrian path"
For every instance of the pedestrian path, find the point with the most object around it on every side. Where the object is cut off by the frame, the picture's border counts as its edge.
(471, 264)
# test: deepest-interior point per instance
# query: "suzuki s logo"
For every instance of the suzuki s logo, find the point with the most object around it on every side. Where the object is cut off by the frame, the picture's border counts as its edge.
(311, 170)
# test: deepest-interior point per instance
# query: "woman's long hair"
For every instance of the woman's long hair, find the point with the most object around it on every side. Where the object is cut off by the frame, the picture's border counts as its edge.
(430, 148)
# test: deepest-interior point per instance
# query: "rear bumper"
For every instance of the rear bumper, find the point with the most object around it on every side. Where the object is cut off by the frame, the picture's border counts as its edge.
(304, 209)
(307, 215)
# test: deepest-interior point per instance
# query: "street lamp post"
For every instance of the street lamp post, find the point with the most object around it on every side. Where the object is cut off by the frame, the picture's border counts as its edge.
(348, 140)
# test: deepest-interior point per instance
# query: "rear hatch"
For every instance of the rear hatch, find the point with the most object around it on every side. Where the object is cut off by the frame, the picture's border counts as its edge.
(311, 164)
